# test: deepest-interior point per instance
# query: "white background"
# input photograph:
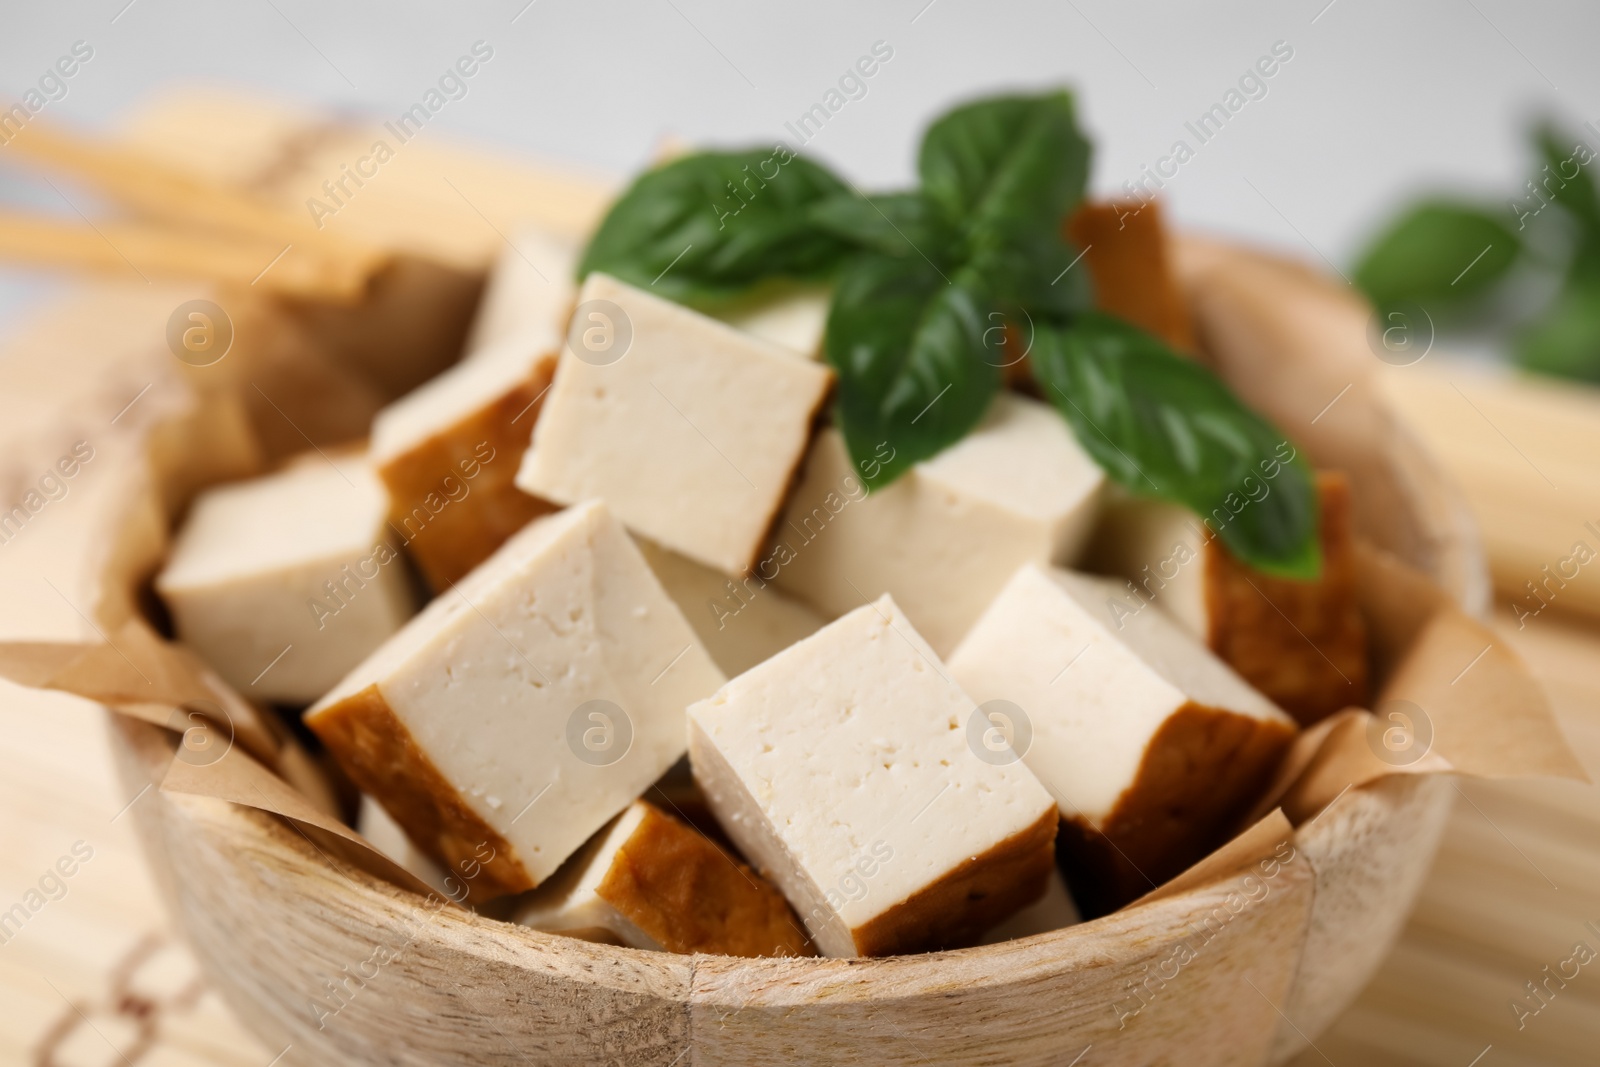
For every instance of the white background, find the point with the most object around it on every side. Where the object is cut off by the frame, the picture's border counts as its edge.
(1379, 101)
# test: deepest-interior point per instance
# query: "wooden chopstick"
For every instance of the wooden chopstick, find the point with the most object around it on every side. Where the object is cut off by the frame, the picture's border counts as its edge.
(151, 251)
(156, 190)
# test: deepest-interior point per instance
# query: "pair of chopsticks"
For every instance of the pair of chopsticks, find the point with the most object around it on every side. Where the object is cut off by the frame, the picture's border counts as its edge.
(181, 225)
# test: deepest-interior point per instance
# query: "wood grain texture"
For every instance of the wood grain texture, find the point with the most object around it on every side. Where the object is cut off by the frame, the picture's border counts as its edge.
(1359, 848)
(1040, 1000)
(1515, 883)
(105, 948)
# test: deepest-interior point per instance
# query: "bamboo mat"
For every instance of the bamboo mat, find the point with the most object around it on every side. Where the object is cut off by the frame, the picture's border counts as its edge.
(96, 978)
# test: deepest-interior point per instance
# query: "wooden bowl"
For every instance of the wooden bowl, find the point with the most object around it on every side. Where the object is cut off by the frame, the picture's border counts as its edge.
(338, 967)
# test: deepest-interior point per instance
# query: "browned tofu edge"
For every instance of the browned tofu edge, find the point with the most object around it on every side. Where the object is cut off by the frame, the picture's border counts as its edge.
(689, 895)
(378, 752)
(965, 902)
(1302, 644)
(1200, 770)
(445, 532)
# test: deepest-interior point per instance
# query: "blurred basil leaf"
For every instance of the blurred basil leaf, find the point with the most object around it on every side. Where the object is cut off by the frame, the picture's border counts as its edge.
(1565, 179)
(1565, 341)
(1028, 276)
(1164, 426)
(704, 228)
(1438, 254)
(1006, 166)
(893, 224)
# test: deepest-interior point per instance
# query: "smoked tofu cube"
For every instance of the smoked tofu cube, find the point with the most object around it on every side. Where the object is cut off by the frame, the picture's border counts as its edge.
(946, 535)
(530, 290)
(690, 430)
(796, 317)
(1149, 743)
(527, 706)
(842, 769)
(1301, 643)
(1125, 247)
(448, 453)
(741, 621)
(649, 881)
(283, 583)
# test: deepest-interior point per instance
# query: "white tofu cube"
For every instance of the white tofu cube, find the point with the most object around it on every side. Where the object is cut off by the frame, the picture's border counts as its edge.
(946, 535)
(690, 430)
(524, 708)
(741, 621)
(795, 317)
(448, 453)
(649, 881)
(1149, 743)
(530, 290)
(841, 768)
(285, 582)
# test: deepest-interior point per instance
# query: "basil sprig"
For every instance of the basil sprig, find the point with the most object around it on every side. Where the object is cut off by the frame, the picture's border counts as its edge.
(1524, 271)
(1161, 425)
(1007, 166)
(975, 244)
(939, 288)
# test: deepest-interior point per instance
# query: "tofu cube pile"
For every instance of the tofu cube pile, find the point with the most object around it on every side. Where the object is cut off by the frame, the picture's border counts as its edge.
(679, 683)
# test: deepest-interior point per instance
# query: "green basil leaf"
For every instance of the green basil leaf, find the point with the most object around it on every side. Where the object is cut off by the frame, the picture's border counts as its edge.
(1440, 253)
(893, 224)
(1030, 275)
(706, 227)
(1564, 178)
(913, 354)
(1164, 426)
(1006, 165)
(1566, 339)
